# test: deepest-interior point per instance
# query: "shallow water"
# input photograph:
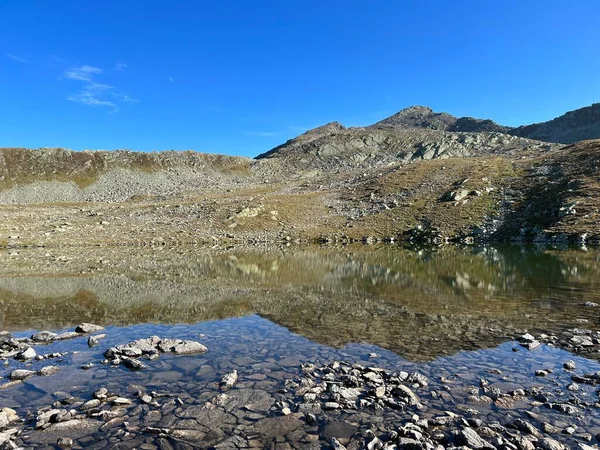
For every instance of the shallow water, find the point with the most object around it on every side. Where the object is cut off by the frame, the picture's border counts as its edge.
(446, 313)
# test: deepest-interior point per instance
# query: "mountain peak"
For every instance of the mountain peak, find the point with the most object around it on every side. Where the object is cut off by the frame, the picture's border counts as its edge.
(417, 117)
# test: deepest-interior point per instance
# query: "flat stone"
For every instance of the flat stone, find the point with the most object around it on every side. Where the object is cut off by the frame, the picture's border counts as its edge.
(272, 427)
(189, 348)
(43, 336)
(250, 399)
(471, 439)
(88, 328)
(66, 335)
(74, 429)
(339, 430)
(21, 374)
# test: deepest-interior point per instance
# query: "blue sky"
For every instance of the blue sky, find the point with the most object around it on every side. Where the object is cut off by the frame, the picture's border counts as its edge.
(240, 77)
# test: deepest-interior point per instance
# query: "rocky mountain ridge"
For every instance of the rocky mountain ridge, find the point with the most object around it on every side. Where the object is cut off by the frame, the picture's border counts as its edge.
(411, 177)
(573, 126)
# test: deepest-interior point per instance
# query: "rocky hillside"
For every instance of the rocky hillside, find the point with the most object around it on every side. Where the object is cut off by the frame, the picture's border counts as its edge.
(581, 124)
(331, 149)
(56, 174)
(578, 125)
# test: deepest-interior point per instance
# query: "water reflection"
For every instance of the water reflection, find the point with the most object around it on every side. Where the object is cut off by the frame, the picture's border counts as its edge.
(419, 304)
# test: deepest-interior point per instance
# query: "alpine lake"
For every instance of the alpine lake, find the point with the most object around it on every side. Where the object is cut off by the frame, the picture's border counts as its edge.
(300, 348)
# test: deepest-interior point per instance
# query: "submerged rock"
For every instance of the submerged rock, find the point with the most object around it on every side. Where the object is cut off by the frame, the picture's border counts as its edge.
(229, 380)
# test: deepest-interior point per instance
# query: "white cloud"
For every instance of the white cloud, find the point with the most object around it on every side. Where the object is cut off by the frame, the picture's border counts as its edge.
(93, 93)
(171, 79)
(88, 98)
(120, 66)
(125, 98)
(83, 73)
(16, 58)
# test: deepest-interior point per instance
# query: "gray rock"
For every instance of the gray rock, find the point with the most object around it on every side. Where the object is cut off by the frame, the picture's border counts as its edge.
(134, 364)
(335, 444)
(21, 374)
(189, 348)
(470, 438)
(66, 335)
(548, 443)
(407, 395)
(582, 341)
(48, 370)
(26, 354)
(4, 421)
(229, 380)
(88, 328)
(65, 442)
(43, 336)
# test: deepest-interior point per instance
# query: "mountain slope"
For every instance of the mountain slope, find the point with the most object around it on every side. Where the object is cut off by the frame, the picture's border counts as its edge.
(57, 174)
(581, 124)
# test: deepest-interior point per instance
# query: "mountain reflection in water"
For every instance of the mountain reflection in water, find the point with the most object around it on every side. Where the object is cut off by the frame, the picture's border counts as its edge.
(419, 304)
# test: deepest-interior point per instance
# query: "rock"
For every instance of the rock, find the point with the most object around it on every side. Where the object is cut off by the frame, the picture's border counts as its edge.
(91, 404)
(131, 352)
(456, 196)
(6, 436)
(375, 444)
(43, 336)
(66, 335)
(590, 304)
(92, 342)
(331, 405)
(229, 380)
(582, 341)
(101, 394)
(134, 364)
(4, 421)
(88, 328)
(469, 437)
(548, 443)
(567, 210)
(565, 408)
(65, 443)
(335, 445)
(11, 414)
(48, 370)
(21, 374)
(339, 429)
(272, 427)
(189, 348)
(569, 365)
(26, 354)
(407, 395)
(121, 401)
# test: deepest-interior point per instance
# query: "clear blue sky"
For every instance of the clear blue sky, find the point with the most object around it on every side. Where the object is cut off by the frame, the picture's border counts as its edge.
(240, 77)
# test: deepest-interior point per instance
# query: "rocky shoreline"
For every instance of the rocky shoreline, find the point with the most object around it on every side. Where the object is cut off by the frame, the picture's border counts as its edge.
(338, 404)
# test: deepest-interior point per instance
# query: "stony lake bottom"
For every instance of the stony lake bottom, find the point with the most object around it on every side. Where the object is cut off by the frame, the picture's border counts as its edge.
(350, 347)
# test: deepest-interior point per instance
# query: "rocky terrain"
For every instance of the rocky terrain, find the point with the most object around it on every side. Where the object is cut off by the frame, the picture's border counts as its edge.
(581, 124)
(418, 176)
